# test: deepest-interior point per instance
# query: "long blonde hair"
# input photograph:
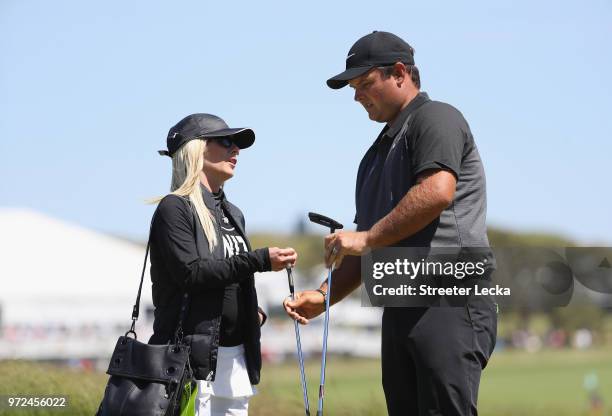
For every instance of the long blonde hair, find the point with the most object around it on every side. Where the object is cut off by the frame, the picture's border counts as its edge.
(187, 163)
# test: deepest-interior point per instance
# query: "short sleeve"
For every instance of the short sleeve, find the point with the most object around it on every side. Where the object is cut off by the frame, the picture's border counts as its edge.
(439, 139)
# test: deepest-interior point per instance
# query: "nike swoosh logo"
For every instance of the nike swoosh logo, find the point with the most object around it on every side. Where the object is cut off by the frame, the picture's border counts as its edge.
(347, 58)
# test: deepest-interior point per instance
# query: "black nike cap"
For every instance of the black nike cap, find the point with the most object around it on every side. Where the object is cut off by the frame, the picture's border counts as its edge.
(376, 49)
(205, 126)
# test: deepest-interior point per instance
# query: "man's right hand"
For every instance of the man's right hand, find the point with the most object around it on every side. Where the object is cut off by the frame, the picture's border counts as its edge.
(307, 305)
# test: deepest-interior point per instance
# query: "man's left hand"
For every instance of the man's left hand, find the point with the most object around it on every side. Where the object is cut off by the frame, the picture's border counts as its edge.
(344, 243)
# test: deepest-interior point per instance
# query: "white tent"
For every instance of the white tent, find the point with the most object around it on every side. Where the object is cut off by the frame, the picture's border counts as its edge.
(55, 272)
(58, 275)
(67, 292)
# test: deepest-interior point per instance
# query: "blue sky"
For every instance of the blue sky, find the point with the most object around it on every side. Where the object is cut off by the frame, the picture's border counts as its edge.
(88, 91)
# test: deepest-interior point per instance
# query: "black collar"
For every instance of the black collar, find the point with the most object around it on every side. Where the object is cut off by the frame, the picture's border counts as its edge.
(210, 200)
(397, 124)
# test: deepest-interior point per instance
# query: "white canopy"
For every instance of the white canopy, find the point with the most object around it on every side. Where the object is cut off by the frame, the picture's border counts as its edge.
(53, 272)
(72, 289)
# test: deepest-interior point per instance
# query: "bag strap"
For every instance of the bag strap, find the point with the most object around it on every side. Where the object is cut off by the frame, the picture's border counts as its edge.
(136, 308)
(178, 335)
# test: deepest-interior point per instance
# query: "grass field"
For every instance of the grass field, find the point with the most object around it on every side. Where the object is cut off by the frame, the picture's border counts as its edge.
(514, 384)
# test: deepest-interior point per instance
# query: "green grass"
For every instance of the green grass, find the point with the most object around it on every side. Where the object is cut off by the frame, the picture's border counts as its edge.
(547, 383)
(83, 390)
(352, 388)
(514, 384)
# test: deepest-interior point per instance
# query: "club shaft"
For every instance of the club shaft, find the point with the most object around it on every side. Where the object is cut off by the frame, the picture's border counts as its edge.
(324, 352)
(302, 374)
(299, 347)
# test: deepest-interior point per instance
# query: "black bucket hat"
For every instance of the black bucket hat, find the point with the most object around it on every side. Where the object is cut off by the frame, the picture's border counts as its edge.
(372, 50)
(205, 126)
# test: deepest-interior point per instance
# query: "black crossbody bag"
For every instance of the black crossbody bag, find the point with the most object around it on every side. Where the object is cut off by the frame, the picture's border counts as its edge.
(147, 380)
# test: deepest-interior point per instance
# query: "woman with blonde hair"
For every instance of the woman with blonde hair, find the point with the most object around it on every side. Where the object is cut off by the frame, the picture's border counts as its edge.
(202, 262)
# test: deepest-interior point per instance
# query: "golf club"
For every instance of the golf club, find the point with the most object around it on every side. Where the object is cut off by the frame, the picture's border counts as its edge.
(299, 345)
(333, 226)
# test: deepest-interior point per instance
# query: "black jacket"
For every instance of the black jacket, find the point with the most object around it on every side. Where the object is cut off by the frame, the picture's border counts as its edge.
(181, 261)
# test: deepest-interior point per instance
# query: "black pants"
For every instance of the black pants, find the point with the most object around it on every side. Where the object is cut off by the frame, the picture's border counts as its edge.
(432, 358)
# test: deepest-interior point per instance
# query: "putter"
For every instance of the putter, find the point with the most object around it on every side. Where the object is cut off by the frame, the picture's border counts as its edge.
(299, 345)
(333, 226)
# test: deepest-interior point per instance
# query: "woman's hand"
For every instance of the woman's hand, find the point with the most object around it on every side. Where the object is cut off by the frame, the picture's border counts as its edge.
(280, 258)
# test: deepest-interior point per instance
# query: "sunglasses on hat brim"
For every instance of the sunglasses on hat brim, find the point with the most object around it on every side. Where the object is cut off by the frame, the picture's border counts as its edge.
(226, 141)
(242, 138)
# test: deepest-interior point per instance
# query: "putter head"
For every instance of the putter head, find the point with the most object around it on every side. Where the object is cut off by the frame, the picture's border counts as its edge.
(333, 225)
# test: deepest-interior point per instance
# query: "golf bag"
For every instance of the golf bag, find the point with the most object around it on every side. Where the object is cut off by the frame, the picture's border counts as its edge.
(148, 380)
(145, 379)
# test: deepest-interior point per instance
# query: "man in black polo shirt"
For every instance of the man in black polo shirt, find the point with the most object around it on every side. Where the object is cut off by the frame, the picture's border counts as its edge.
(421, 184)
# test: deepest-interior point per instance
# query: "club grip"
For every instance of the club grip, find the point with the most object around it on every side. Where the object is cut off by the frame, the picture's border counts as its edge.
(290, 280)
(325, 221)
